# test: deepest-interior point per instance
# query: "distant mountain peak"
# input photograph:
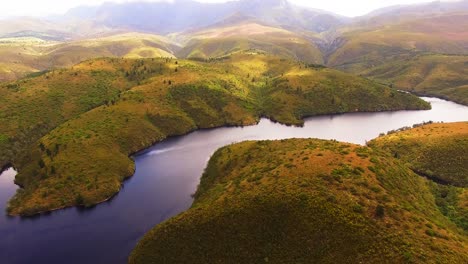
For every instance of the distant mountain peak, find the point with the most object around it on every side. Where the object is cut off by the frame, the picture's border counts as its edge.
(265, 4)
(166, 17)
(236, 18)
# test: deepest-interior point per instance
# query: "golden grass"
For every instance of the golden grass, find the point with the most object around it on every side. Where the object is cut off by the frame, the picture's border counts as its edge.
(26, 55)
(438, 151)
(108, 109)
(307, 200)
(444, 76)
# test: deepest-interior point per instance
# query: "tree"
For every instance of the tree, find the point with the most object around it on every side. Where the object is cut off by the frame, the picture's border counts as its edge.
(41, 163)
(79, 200)
(380, 211)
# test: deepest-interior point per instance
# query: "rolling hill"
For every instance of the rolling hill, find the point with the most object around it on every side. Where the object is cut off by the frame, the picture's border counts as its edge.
(362, 49)
(306, 201)
(53, 28)
(76, 150)
(425, 54)
(438, 152)
(81, 93)
(410, 38)
(399, 13)
(180, 15)
(443, 76)
(11, 27)
(24, 55)
(249, 35)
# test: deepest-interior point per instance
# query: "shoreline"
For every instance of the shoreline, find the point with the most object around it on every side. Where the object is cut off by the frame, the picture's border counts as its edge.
(430, 95)
(7, 167)
(303, 119)
(257, 120)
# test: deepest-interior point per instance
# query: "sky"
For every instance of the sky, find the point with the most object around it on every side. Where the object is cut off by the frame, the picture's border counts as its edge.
(350, 8)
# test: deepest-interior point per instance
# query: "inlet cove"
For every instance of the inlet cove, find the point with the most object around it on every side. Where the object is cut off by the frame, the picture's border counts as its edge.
(233, 131)
(167, 176)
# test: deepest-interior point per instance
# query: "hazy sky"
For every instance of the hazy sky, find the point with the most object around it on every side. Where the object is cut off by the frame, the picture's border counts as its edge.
(45, 7)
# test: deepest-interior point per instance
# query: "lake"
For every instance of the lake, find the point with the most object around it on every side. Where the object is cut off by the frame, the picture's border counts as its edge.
(166, 176)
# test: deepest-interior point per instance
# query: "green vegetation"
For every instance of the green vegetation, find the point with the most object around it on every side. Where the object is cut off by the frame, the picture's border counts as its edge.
(303, 201)
(70, 132)
(24, 55)
(363, 48)
(423, 55)
(221, 41)
(453, 203)
(32, 107)
(443, 76)
(437, 151)
(411, 54)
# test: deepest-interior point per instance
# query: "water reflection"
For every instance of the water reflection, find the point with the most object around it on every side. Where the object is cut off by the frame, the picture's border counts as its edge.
(166, 175)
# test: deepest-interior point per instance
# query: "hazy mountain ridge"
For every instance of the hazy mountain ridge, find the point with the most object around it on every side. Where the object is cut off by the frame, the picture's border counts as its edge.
(21, 55)
(181, 15)
(88, 89)
(357, 45)
(424, 9)
(226, 38)
(184, 15)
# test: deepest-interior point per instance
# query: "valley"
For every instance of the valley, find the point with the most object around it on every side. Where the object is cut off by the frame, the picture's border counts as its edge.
(109, 119)
(425, 75)
(29, 55)
(419, 41)
(243, 131)
(166, 176)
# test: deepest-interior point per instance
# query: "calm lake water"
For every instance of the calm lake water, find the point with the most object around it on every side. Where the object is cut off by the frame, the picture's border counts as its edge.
(166, 175)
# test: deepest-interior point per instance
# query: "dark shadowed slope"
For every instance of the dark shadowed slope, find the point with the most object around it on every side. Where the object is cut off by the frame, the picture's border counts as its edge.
(306, 201)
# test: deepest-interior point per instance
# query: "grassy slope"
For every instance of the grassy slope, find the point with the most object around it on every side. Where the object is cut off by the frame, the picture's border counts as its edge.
(444, 76)
(32, 107)
(84, 160)
(21, 56)
(306, 201)
(220, 41)
(409, 54)
(439, 151)
(453, 203)
(18, 57)
(368, 47)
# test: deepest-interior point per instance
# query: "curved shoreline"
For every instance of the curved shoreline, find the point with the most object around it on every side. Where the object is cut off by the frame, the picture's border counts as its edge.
(167, 175)
(6, 167)
(139, 152)
(431, 95)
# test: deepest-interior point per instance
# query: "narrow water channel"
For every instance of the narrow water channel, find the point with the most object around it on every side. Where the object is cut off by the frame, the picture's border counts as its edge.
(166, 175)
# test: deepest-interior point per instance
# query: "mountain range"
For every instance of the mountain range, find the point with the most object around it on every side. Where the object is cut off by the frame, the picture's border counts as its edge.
(194, 30)
(182, 15)
(82, 92)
